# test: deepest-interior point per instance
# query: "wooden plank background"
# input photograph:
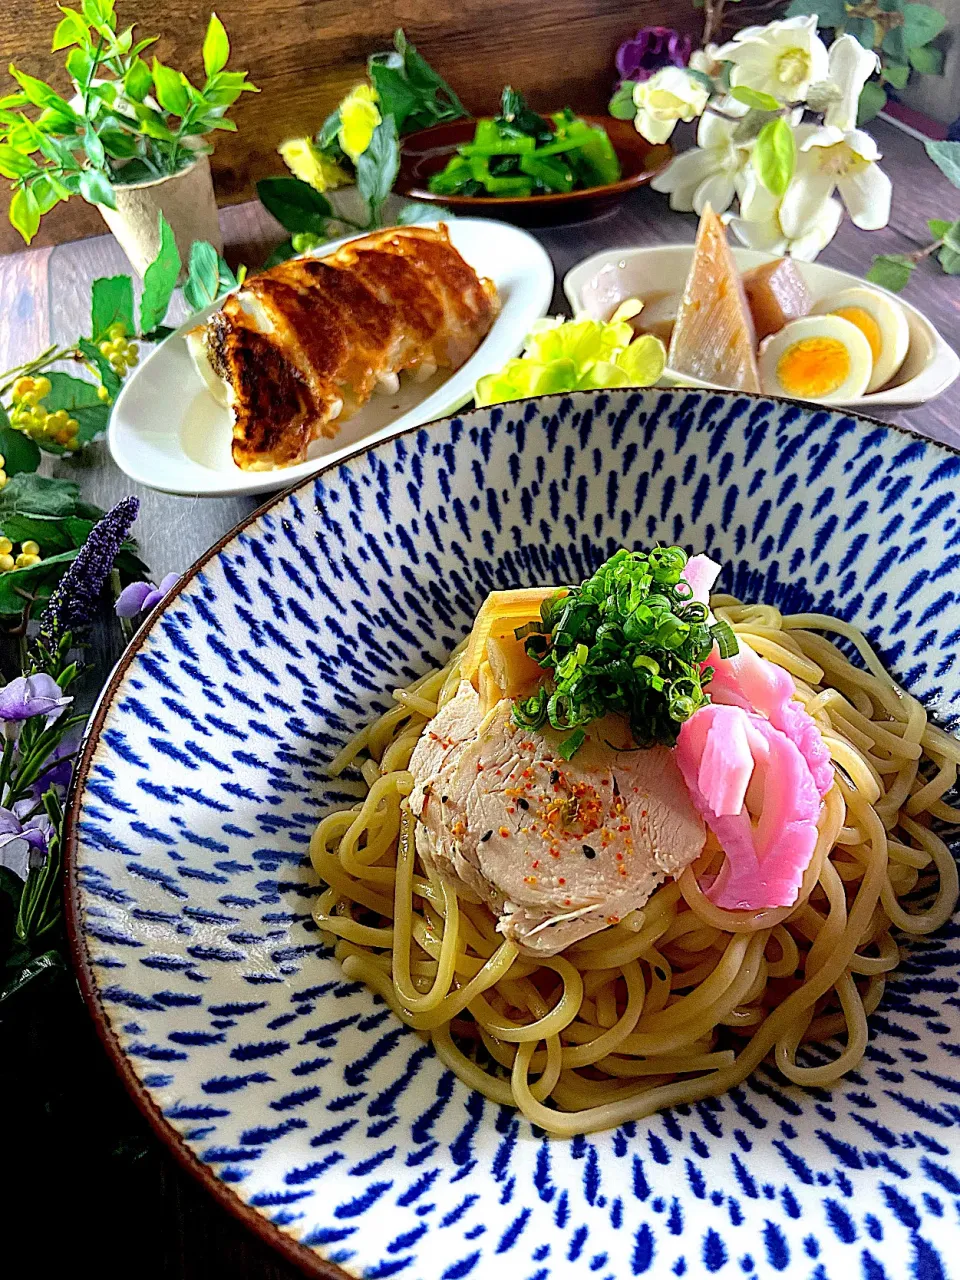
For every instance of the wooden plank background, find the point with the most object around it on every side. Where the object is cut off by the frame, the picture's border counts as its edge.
(305, 54)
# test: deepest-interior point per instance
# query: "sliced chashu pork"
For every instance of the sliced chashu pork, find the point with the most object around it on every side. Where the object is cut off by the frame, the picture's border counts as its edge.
(558, 850)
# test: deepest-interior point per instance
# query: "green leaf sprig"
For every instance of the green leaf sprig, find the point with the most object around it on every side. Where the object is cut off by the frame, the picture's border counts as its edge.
(630, 639)
(899, 32)
(127, 122)
(893, 270)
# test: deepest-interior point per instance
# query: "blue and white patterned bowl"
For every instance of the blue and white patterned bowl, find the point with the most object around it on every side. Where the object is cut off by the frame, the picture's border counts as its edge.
(298, 1098)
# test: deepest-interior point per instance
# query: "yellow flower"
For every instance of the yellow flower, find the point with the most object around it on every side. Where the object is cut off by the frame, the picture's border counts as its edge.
(308, 163)
(358, 119)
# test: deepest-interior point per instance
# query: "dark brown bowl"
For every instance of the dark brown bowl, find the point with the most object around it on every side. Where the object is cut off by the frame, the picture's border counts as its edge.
(425, 153)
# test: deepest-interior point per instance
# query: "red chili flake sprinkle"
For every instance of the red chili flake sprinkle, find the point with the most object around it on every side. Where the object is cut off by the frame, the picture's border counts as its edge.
(536, 863)
(529, 879)
(622, 870)
(504, 831)
(554, 853)
(625, 827)
(511, 808)
(567, 902)
(619, 857)
(561, 881)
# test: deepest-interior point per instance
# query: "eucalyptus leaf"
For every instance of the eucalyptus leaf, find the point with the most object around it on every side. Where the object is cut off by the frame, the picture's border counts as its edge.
(891, 271)
(775, 156)
(873, 99)
(949, 260)
(921, 24)
(622, 106)
(831, 13)
(896, 73)
(159, 281)
(926, 60)
(946, 156)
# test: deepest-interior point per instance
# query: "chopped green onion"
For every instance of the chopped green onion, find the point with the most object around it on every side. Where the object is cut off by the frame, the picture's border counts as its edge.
(630, 640)
(570, 746)
(726, 639)
(528, 629)
(531, 713)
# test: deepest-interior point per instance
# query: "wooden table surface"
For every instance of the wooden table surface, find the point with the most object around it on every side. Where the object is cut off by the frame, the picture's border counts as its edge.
(84, 1160)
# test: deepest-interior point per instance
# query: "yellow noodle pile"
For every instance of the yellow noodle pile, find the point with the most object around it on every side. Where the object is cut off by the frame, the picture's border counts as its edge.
(680, 1000)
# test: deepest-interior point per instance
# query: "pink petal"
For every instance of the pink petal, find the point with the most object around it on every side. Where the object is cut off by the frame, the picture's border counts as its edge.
(701, 572)
(764, 864)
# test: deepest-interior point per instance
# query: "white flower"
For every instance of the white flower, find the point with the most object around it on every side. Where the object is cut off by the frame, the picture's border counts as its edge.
(831, 159)
(850, 66)
(668, 96)
(707, 174)
(759, 224)
(706, 62)
(783, 58)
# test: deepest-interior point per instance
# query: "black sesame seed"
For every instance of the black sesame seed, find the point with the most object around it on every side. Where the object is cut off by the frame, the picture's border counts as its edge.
(524, 804)
(555, 777)
(485, 837)
(443, 799)
(588, 852)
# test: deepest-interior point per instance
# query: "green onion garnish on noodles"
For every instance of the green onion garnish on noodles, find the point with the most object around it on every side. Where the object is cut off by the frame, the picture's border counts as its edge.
(631, 639)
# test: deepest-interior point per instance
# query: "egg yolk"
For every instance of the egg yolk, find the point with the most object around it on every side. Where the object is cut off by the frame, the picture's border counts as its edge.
(813, 367)
(867, 326)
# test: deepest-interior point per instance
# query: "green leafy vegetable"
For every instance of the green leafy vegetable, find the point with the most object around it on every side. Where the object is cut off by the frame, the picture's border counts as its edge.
(519, 153)
(631, 639)
(159, 281)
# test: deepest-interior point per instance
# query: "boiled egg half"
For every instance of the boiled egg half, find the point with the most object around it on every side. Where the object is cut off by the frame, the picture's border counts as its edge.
(882, 322)
(823, 358)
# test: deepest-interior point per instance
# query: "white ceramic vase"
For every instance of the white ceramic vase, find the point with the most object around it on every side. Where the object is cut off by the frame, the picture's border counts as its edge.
(185, 199)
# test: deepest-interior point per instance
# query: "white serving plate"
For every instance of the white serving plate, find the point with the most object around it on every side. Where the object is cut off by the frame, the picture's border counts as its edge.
(167, 432)
(600, 283)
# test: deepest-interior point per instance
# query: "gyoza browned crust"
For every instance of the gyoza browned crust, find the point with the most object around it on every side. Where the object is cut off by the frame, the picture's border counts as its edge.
(304, 344)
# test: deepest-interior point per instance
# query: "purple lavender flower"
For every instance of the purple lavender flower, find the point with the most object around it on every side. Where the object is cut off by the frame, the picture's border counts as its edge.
(73, 604)
(649, 50)
(23, 840)
(28, 696)
(141, 597)
(59, 768)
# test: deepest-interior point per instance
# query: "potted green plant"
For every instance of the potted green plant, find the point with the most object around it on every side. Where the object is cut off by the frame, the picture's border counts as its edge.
(130, 140)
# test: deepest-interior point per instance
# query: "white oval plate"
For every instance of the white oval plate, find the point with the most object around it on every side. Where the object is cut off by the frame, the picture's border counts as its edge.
(600, 283)
(167, 432)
